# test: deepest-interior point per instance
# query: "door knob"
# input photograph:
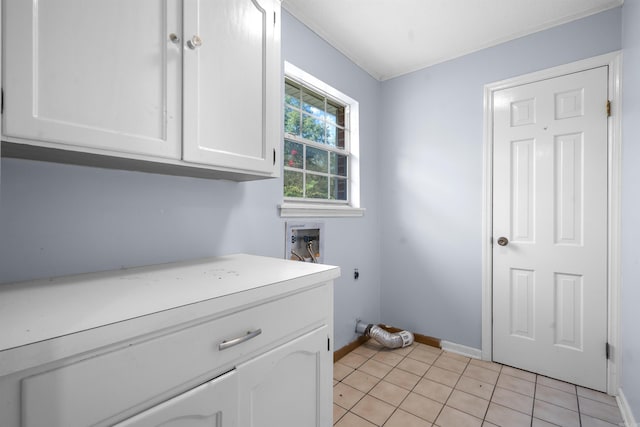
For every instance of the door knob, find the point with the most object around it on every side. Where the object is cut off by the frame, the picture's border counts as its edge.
(174, 38)
(503, 241)
(195, 42)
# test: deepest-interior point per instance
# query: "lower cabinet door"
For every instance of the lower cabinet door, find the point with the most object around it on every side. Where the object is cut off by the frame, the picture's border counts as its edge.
(290, 386)
(213, 404)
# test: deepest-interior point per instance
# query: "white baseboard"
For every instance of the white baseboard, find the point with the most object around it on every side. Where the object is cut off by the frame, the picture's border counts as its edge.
(474, 353)
(625, 409)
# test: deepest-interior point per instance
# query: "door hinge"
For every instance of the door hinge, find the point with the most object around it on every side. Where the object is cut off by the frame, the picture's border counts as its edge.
(328, 344)
(607, 350)
(274, 157)
(608, 108)
(274, 18)
(1, 101)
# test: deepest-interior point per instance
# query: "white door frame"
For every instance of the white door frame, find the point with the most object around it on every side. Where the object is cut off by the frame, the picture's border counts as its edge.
(613, 60)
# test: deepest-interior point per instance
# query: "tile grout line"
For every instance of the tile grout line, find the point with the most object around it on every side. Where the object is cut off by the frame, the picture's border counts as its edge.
(414, 386)
(440, 354)
(398, 405)
(468, 363)
(533, 401)
(578, 402)
(445, 402)
(410, 391)
(428, 379)
(367, 393)
(421, 377)
(454, 389)
(596, 401)
(495, 386)
(342, 381)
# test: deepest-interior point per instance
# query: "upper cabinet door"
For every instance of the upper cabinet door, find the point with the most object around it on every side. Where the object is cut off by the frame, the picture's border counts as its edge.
(232, 84)
(96, 74)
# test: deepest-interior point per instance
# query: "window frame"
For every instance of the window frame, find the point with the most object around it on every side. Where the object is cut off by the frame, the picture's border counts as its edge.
(299, 207)
(309, 144)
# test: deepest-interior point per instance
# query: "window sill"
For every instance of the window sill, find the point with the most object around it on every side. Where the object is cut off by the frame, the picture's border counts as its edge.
(304, 210)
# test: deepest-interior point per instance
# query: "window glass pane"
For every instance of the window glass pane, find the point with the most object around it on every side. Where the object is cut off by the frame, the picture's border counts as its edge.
(335, 136)
(292, 94)
(317, 160)
(335, 113)
(313, 104)
(313, 129)
(338, 189)
(293, 186)
(291, 121)
(317, 187)
(293, 154)
(338, 164)
(331, 135)
(340, 137)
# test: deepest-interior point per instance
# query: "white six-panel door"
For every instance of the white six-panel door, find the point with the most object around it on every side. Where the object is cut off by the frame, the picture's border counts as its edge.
(550, 204)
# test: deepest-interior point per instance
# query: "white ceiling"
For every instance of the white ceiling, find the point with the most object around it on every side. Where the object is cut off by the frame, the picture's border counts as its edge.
(388, 38)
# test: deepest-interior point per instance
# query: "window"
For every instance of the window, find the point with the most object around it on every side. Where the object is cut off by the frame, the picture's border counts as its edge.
(316, 158)
(320, 148)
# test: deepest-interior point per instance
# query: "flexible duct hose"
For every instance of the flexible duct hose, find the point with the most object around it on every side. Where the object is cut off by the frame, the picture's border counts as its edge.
(386, 338)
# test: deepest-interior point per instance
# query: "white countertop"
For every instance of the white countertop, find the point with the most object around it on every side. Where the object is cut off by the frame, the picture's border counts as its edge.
(39, 310)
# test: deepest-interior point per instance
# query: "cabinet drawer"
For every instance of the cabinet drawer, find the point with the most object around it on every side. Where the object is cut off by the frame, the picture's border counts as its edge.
(112, 384)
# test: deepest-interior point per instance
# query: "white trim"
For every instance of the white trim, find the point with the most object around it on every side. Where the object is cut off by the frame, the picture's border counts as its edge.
(474, 353)
(615, 215)
(625, 410)
(487, 227)
(307, 79)
(308, 210)
(298, 210)
(613, 61)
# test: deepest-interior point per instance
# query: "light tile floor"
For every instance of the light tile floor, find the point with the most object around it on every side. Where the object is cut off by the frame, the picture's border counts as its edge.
(424, 386)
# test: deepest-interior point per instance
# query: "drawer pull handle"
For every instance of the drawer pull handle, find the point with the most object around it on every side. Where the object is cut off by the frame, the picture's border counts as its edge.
(235, 341)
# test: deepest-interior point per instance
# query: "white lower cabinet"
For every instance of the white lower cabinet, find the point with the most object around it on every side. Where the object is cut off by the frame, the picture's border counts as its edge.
(213, 404)
(258, 393)
(288, 386)
(240, 341)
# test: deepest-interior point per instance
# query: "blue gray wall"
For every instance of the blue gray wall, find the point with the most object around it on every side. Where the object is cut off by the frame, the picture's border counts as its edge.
(631, 205)
(431, 175)
(60, 219)
(352, 242)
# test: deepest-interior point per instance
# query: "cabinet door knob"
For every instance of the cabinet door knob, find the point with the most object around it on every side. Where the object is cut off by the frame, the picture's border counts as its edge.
(195, 42)
(174, 38)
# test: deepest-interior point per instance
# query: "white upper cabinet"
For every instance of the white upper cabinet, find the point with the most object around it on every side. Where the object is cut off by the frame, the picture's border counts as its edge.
(232, 83)
(192, 83)
(97, 74)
